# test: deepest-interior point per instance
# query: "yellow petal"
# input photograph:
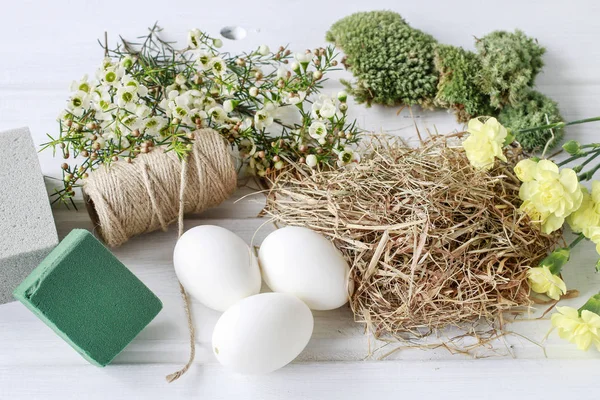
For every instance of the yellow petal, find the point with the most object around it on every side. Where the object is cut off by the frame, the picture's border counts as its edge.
(568, 312)
(590, 318)
(525, 170)
(474, 125)
(583, 342)
(568, 178)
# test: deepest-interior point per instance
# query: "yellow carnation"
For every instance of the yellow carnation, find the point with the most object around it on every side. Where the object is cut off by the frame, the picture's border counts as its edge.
(582, 330)
(485, 142)
(543, 281)
(587, 216)
(551, 195)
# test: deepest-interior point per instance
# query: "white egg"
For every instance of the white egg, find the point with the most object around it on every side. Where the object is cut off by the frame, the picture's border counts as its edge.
(215, 266)
(262, 333)
(302, 262)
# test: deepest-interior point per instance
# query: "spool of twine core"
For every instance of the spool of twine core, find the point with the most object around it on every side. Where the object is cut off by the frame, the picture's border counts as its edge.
(128, 199)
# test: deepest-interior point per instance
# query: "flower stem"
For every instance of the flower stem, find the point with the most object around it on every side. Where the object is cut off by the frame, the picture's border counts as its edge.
(576, 241)
(558, 125)
(587, 175)
(575, 157)
(589, 160)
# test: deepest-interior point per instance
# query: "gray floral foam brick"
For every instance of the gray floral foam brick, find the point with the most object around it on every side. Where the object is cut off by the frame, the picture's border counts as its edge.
(27, 230)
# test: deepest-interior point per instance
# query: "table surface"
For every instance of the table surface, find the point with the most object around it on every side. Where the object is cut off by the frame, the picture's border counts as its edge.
(51, 43)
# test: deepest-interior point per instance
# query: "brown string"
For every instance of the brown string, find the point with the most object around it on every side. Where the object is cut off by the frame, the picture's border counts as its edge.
(186, 301)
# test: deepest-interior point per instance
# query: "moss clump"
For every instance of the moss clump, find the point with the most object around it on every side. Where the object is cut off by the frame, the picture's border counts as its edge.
(394, 63)
(391, 61)
(535, 110)
(458, 87)
(510, 62)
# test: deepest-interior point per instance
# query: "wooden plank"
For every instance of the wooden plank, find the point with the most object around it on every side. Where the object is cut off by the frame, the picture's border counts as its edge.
(460, 380)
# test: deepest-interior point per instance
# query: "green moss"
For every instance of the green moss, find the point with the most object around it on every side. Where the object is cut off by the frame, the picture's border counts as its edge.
(535, 110)
(510, 63)
(458, 87)
(392, 62)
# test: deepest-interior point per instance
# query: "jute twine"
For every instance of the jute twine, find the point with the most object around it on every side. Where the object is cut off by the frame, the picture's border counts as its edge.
(158, 188)
(128, 199)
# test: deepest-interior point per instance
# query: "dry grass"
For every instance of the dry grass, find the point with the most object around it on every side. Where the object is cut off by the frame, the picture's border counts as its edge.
(431, 242)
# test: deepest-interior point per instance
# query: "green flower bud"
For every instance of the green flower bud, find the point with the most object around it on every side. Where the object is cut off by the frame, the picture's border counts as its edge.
(593, 305)
(572, 147)
(509, 137)
(555, 260)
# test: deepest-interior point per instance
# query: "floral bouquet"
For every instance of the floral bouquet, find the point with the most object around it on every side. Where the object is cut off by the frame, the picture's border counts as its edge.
(150, 95)
(552, 195)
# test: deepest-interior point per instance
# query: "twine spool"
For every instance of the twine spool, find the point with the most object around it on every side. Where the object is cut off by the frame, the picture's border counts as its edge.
(128, 199)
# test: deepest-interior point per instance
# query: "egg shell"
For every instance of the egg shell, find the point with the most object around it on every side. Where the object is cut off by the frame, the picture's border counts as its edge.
(302, 262)
(262, 333)
(215, 266)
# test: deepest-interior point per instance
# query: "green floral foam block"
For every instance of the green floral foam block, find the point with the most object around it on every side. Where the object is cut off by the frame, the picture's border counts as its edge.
(89, 298)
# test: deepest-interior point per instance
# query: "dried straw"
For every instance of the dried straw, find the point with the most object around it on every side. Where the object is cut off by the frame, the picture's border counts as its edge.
(432, 242)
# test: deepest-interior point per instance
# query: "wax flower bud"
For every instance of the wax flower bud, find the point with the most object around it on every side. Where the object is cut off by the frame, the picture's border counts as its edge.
(263, 50)
(311, 160)
(180, 79)
(342, 96)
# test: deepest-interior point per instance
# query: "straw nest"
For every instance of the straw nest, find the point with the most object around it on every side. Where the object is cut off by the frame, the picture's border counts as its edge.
(431, 242)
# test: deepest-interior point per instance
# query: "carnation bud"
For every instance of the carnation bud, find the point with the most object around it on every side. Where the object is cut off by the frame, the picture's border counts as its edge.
(555, 260)
(593, 304)
(572, 147)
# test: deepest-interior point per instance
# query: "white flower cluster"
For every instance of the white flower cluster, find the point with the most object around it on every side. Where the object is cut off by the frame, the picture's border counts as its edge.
(119, 103)
(327, 111)
(158, 96)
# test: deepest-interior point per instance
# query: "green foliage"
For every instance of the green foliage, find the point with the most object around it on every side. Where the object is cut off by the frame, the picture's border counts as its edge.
(535, 110)
(392, 62)
(458, 87)
(510, 63)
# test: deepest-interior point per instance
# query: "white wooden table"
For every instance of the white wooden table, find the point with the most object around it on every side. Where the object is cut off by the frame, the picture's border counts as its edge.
(45, 45)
